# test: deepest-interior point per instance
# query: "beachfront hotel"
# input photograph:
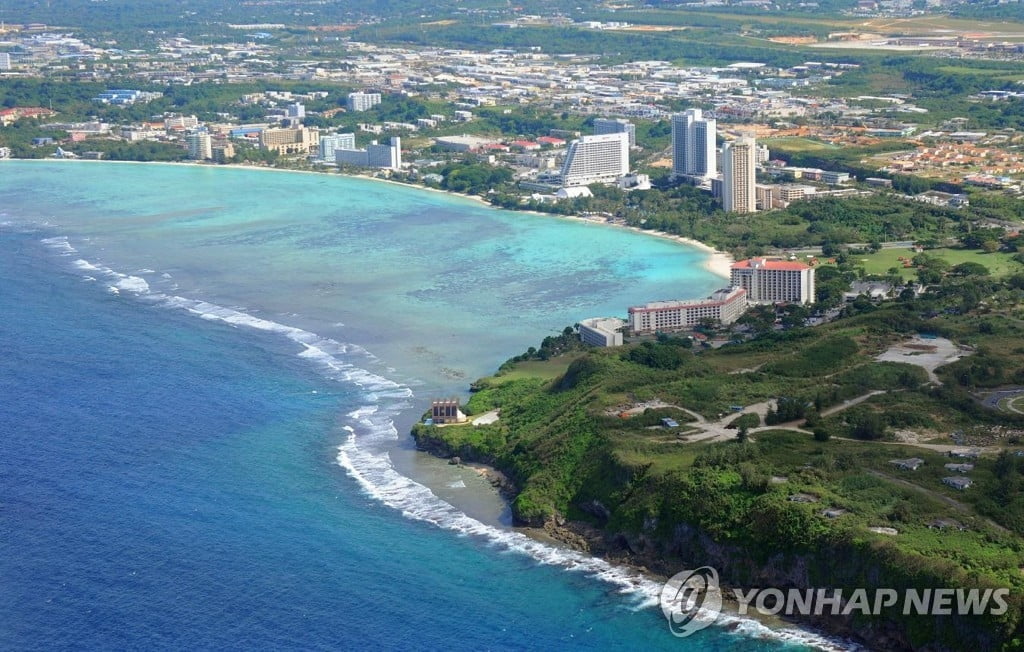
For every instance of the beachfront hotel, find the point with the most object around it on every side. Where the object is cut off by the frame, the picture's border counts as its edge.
(333, 142)
(602, 331)
(774, 281)
(693, 144)
(290, 141)
(596, 159)
(374, 156)
(724, 306)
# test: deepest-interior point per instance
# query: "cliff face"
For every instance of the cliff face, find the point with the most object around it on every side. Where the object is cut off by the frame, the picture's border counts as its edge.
(626, 515)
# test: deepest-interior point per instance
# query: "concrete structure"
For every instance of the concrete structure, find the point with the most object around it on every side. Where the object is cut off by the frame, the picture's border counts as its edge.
(596, 159)
(200, 145)
(290, 141)
(602, 331)
(774, 281)
(332, 142)
(909, 464)
(374, 156)
(362, 101)
(724, 306)
(5, 61)
(739, 165)
(693, 144)
(958, 482)
(616, 126)
(446, 411)
(296, 111)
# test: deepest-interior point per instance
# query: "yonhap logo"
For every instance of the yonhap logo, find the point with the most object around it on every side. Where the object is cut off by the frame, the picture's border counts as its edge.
(691, 600)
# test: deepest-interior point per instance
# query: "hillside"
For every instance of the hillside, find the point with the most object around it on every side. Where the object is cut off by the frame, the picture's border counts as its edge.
(587, 450)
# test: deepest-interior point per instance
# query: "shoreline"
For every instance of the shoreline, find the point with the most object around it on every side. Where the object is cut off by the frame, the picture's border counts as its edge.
(558, 534)
(718, 262)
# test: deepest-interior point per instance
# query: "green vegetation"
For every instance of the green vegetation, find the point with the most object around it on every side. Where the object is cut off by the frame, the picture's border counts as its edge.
(882, 262)
(571, 443)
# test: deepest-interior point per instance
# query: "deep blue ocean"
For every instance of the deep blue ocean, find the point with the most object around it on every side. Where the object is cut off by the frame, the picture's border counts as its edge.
(169, 482)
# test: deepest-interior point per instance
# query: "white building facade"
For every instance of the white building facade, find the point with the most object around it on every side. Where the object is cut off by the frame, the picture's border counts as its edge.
(362, 101)
(596, 159)
(774, 281)
(602, 331)
(724, 306)
(332, 142)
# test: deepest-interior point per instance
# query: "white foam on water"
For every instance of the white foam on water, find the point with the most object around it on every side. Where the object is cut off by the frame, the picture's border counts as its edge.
(371, 430)
(458, 484)
(60, 244)
(374, 472)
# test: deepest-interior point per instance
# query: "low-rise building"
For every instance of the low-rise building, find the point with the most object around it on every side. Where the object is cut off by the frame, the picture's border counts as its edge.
(724, 306)
(602, 331)
(909, 464)
(958, 482)
(446, 411)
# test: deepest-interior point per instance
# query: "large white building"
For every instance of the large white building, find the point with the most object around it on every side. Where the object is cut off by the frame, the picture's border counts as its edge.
(725, 305)
(602, 331)
(200, 145)
(596, 159)
(774, 281)
(374, 156)
(616, 126)
(332, 142)
(739, 181)
(5, 61)
(362, 101)
(693, 144)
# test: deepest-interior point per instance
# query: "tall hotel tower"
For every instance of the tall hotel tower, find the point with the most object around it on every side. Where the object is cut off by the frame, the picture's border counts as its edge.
(693, 144)
(596, 159)
(739, 161)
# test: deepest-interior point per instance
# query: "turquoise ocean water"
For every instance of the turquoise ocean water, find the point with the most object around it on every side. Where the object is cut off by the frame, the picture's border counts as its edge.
(205, 384)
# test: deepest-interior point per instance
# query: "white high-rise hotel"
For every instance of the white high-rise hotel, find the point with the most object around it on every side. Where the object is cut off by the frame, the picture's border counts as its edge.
(596, 159)
(693, 144)
(739, 164)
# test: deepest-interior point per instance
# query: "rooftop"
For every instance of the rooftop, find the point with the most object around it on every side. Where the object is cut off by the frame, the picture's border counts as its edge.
(765, 263)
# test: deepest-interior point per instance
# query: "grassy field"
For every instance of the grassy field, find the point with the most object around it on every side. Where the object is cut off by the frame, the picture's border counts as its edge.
(998, 263)
(542, 369)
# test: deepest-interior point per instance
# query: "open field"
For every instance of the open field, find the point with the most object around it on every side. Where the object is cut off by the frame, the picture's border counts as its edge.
(998, 263)
(542, 369)
(797, 144)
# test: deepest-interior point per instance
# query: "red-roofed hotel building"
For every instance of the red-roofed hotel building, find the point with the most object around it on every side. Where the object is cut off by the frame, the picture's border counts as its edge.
(774, 281)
